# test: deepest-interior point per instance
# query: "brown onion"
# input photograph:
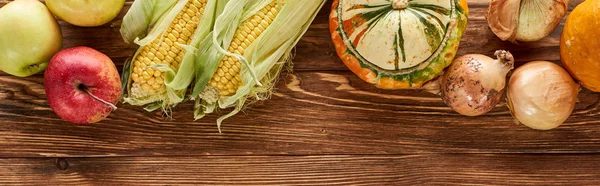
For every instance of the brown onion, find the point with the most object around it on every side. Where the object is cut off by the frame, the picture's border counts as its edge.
(473, 84)
(525, 20)
(541, 95)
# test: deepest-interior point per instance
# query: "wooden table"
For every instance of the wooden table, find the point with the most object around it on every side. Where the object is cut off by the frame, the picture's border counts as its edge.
(323, 126)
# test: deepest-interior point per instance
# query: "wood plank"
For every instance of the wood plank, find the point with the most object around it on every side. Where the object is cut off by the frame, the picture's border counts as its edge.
(322, 109)
(311, 113)
(430, 169)
(323, 126)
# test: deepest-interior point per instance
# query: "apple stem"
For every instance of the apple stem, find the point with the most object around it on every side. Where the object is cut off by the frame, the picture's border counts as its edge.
(112, 106)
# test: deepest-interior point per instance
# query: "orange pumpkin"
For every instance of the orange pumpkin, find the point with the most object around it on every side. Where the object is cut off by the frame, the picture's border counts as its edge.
(580, 44)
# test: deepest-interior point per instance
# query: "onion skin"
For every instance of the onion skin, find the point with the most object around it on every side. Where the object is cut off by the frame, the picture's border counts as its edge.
(473, 84)
(541, 95)
(525, 20)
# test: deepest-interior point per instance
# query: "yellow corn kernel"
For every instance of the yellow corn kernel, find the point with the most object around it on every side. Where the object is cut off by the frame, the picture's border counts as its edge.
(164, 49)
(227, 77)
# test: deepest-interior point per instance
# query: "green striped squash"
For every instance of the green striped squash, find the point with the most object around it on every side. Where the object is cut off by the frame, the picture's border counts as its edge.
(397, 43)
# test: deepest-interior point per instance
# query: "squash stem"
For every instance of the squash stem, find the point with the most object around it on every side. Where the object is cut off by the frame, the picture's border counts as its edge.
(400, 4)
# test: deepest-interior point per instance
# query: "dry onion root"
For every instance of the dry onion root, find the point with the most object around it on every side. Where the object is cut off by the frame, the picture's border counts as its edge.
(473, 84)
(541, 95)
(525, 20)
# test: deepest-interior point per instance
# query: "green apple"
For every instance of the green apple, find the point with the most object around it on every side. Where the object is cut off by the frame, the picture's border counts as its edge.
(29, 36)
(86, 13)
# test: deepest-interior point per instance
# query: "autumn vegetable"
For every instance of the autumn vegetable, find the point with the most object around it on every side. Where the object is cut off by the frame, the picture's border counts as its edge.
(251, 42)
(525, 20)
(227, 77)
(163, 67)
(29, 36)
(580, 46)
(398, 43)
(541, 95)
(217, 53)
(473, 84)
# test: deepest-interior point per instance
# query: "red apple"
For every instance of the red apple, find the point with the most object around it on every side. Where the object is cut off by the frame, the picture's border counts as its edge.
(82, 85)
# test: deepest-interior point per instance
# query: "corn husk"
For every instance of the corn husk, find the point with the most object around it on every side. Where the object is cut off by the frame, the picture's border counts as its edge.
(262, 60)
(157, 15)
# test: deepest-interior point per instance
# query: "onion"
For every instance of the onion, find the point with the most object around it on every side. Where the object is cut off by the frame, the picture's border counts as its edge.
(525, 20)
(541, 95)
(473, 84)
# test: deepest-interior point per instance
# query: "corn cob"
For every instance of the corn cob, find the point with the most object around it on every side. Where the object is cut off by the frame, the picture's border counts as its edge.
(251, 42)
(227, 77)
(169, 33)
(165, 50)
(234, 52)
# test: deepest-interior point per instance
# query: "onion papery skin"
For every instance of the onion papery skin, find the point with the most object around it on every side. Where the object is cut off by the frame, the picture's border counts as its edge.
(474, 84)
(525, 20)
(541, 95)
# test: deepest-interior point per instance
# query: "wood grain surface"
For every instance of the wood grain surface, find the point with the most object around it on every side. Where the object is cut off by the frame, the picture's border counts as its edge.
(429, 169)
(322, 126)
